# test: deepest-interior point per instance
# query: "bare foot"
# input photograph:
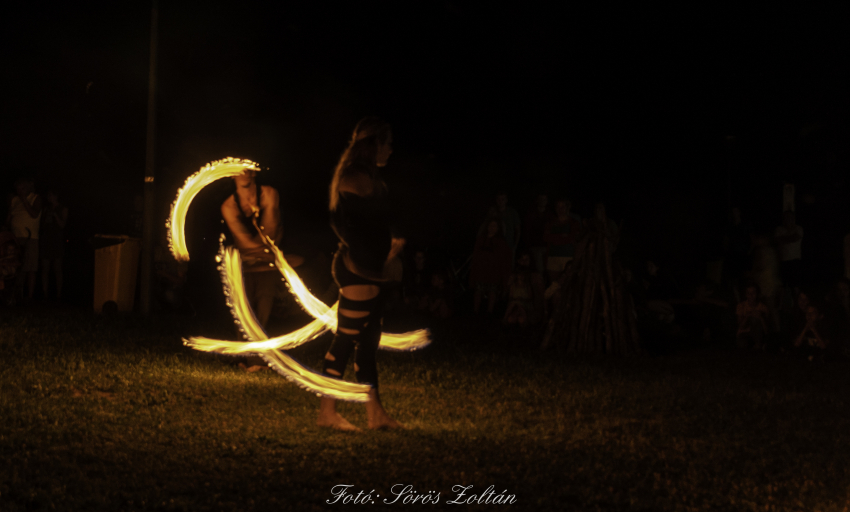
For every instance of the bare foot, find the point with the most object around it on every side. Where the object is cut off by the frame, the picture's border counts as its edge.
(377, 416)
(335, 421)
(252, 369)
(384, 423)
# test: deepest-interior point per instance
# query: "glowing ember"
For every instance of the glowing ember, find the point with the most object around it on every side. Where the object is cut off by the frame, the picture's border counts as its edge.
(231, 275)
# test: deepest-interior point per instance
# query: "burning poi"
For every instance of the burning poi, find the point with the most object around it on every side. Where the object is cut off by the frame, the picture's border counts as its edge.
(270, 349)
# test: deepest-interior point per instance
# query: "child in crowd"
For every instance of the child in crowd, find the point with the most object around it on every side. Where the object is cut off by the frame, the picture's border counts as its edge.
(795, 319)
(813, 341)
(658, 288)
(561, 235)
(752, 319)
(534, 230)
(415, 281)
(525, 293)
(10, 260)
(51, 248)
(765, 270)
(491, 264)
(838, 313)
(841, 296)
(704, 314)
(394, 275)
(437, 299)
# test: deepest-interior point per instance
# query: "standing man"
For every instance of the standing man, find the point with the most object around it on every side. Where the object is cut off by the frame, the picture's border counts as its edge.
(847, 256)
(536, 220)
(24, 219)
(789, 238)
(736, 244)
(561, 235)
(511, 222)
(261, 278)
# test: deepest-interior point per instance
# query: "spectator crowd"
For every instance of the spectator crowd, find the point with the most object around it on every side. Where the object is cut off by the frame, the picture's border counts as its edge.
(754, 296)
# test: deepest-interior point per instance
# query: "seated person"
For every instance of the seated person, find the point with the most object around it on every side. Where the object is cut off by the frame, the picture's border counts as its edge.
(491, 264)
(794, 320)
(525, 293)
(437, 299)
(814, 340)
(561, 235)
(838, 316)
(10, 257)
(704, 313)
(659, 288)
(415, 280)
(752, 319)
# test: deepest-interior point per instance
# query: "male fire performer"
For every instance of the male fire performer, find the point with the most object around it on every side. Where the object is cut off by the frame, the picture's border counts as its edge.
(249, 203)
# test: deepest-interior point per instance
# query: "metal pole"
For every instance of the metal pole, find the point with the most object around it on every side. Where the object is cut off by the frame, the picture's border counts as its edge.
(730, 141)
(148, 239)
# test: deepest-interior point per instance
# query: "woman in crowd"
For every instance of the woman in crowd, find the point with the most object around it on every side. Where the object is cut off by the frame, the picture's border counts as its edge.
(491, 263)
(525, 293)
(52, 242)
(753, 319)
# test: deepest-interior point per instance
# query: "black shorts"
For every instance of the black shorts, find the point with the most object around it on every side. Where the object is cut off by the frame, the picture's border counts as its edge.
(792, 272)
(344, 277)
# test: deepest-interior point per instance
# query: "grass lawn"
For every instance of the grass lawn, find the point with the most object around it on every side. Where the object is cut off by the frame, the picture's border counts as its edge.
(104, 413)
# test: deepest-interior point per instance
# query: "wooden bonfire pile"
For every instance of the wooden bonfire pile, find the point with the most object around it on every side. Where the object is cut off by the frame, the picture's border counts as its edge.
(595, 313)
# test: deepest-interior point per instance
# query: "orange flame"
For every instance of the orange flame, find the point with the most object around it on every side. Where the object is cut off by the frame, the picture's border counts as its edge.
(209, 173)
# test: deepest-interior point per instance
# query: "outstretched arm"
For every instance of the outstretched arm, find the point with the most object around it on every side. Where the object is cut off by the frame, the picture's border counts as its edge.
(799, 340)
(34, 209)
(790, 238)
(61, 217)
(820, 341)
(397, 247)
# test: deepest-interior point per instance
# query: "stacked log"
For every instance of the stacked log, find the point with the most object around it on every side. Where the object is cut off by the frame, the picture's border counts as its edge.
(596, 313)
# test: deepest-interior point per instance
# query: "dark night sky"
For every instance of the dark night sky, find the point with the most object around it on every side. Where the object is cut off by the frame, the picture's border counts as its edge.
(627, 105)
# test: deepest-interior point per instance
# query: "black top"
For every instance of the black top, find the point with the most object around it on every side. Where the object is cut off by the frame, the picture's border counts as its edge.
(363, 227)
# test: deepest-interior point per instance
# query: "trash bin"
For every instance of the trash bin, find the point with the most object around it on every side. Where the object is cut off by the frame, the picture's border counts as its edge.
(116, 265)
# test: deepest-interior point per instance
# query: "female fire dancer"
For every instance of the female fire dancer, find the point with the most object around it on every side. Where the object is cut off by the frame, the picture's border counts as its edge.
(360, 218)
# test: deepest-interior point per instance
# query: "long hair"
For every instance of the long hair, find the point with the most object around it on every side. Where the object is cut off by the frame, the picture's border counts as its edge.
(500, 233)
(362, 150)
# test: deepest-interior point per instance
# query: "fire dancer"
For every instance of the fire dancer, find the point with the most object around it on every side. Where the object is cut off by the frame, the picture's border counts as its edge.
(249, 203)
(360, 218)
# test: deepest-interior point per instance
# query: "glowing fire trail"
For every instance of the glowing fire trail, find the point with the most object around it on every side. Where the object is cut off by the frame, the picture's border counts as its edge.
(244, 316)
(231, 273)
(282, 363)
(231, 277)
(211, 172)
